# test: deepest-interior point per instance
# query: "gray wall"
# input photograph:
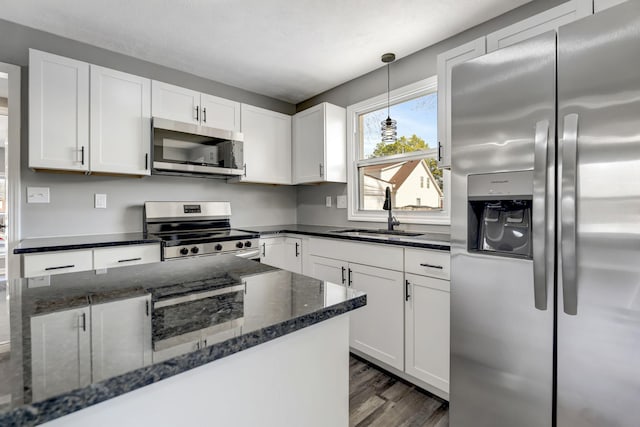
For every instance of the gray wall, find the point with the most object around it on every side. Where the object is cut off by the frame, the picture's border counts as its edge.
(71, 209)
(412, 68)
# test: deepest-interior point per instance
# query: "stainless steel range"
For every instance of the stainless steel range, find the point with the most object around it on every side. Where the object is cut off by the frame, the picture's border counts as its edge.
(197, 229)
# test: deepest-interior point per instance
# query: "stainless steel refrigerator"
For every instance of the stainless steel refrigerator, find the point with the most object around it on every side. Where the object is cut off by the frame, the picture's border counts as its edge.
(545, 229)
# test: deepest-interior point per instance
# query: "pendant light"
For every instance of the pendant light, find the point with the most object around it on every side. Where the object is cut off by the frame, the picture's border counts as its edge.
(388, 127)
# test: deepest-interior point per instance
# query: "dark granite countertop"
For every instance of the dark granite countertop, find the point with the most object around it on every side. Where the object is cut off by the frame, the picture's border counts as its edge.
(199, 310)
(49, 244)
(439, 241)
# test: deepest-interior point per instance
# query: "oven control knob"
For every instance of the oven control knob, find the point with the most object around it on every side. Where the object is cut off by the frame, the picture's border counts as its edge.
(247, 244)
(218, 247)
(184, 251)
(195, 250)
(239, 245)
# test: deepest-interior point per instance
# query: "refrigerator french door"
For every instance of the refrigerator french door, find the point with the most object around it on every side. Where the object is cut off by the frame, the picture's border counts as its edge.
(545, 287)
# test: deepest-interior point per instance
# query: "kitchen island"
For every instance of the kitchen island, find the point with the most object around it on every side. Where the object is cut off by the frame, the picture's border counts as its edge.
(204, 341)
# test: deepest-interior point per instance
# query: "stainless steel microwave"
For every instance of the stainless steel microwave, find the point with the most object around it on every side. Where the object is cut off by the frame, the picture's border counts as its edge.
(187, 149)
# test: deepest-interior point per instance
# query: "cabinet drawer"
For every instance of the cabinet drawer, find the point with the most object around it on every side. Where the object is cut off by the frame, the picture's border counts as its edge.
(427, 263)
(126, 255)
(57, 263)
(383, 256)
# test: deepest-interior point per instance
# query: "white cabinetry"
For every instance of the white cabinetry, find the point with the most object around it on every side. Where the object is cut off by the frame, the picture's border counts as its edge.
(58, 112)
(445, 63)
(60, 352)
(120, 122)
(120, 336)
(427, 330)
(63, 135)
(282, 252)
(548, 20)
(126, 255)
(329, 269)
(189, 106)
(600, 5)
(267, 145)
(319, 144)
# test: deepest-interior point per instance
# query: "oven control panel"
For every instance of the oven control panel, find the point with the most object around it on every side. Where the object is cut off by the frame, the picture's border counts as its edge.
(212, 248)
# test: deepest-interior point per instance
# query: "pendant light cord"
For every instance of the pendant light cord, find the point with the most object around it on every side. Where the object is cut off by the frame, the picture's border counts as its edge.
(388, 91)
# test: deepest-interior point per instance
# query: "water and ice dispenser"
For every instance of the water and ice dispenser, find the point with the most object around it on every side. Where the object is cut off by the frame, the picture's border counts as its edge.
(499, 213)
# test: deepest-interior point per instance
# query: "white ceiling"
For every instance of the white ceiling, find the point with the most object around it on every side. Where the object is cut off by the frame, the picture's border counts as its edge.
(287, 49)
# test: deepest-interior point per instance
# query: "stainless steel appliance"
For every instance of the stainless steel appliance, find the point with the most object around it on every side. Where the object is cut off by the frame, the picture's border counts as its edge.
(188, 149)
(197, 229)
(545, 236)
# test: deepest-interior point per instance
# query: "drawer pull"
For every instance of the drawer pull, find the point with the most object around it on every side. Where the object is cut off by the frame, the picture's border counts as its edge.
(60, 267)
(439, 267)
(130, 259)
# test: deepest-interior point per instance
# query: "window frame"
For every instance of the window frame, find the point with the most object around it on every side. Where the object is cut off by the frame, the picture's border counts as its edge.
(396, 96)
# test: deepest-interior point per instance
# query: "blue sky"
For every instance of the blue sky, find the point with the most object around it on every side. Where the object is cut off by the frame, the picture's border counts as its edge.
(417, 116)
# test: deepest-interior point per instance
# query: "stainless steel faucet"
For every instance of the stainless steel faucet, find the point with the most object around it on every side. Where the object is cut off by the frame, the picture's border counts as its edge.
(391, 221)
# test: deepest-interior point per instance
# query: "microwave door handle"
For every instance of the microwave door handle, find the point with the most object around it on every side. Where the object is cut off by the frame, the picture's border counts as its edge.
(540, 214)
(568, 214)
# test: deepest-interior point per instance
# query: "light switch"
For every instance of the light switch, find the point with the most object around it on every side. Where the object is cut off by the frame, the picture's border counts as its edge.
(341, 202)
(328, 201)
(37, 194)
(100, 201)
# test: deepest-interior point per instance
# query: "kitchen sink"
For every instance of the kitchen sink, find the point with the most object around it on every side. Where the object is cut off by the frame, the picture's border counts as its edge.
(377, 233)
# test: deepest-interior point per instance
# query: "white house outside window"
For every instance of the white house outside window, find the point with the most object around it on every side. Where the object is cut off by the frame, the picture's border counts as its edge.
(408, 167)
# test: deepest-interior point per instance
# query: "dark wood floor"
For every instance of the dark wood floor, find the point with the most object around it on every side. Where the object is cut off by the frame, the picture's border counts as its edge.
(378, 399)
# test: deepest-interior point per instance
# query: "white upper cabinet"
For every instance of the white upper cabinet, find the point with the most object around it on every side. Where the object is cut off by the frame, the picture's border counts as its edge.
(548, 20)
(188, 106)
(319, 144)
(58, 112)
(445, 62)
(600, 5)
(175, 103)
(220, 113)
(120, 122)
(267, 145)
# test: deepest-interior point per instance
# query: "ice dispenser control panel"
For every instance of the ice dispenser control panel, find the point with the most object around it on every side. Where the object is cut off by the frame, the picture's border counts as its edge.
(499, 213)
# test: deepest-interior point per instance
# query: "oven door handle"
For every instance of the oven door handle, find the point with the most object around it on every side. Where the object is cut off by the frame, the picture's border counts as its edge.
(254, 253)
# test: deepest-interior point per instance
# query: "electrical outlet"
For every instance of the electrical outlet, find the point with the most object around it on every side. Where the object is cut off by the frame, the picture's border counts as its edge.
(341, 202)
(328, 201)
(100, 201)
(37, 194)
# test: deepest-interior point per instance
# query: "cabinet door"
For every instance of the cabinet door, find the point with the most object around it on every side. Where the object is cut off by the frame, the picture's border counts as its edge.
(548, 20)
(58, 112)
(282, 252)
(309, 145)
(267, 299)
(377, 329)
(120, 336)
(120, 122)
(60, 352)
(267, 145)
(445, 62)
(220, 113)
(175, 103)
(427, 330)
(329, 269)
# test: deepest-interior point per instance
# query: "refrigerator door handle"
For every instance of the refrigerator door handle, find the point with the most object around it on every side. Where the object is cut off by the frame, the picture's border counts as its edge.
(568, 214)
(540, 214)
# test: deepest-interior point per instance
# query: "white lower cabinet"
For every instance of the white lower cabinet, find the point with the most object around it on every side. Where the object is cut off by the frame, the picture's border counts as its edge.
(120, 336)
(427, 330)
(282, 252)
(60, 352)
(73, 348)
(376, 329)
(329, 269)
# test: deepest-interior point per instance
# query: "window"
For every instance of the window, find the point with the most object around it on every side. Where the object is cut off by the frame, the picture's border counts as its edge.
(408, 167)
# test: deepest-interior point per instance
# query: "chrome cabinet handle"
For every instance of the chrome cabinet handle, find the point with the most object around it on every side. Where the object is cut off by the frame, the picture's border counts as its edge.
(264, 249)
(84, 321)
(297, 251)
(343, 270)
(540, 214)
(204, 114)
(349, 271)
(146, 161)
(568, 214)
(197, 113)
(424, 264)
(60, 267)
(439, 152)
(130, 259)
(82, 155)
(406, 290)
